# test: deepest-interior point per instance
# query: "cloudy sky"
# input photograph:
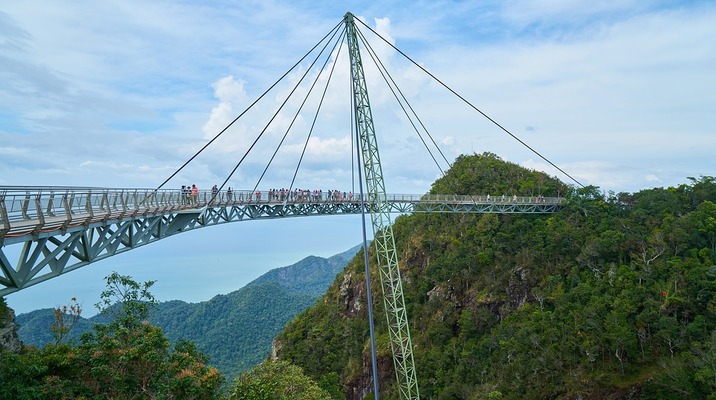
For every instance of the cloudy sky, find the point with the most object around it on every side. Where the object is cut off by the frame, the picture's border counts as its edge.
(620, 94)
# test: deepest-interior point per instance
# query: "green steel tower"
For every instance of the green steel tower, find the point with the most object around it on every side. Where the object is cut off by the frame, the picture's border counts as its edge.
(396, 314)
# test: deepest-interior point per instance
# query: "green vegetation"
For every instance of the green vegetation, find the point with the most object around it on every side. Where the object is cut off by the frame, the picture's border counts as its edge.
(123, 359)
(234, 330)
(611, 298)
(128, 358)
(276, 380)
(124, 348)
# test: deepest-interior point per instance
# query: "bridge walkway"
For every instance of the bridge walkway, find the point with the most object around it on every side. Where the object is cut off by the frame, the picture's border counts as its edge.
(57, 230)
(30, 213)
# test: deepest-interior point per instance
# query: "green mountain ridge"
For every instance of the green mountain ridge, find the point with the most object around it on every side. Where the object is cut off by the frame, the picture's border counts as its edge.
(236, 329)
(311, 276)
(614, 297)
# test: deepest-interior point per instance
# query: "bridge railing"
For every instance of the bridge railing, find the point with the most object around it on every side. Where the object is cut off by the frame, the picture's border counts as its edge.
(46, 207)
(489, 199)
(49, 202)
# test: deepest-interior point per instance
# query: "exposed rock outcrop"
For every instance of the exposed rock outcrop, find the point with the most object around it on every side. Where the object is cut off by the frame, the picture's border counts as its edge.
(8, 330)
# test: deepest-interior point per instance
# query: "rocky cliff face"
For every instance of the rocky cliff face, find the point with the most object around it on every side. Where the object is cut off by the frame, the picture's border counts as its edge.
(8, 330)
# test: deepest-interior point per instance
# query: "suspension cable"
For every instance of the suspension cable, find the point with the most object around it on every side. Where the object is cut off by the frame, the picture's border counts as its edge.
(471, 105)
(320, 103)
(393, 86)
(335, 28)
(366, 265)
(299, 109)
(278, 110)
(355, 162)
(297, 113)
(381, 67)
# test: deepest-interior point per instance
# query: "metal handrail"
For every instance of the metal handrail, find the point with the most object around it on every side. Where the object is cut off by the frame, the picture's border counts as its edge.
(37, 208)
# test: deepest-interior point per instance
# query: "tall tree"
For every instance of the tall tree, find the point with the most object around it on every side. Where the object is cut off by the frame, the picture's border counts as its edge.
(274, 380)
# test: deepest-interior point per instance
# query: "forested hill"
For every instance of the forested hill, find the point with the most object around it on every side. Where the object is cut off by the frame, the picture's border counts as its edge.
(235, 330)
(613, 297)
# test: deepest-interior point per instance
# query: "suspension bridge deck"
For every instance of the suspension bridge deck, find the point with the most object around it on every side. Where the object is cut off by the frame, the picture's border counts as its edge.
(58, 230)
(32, 213)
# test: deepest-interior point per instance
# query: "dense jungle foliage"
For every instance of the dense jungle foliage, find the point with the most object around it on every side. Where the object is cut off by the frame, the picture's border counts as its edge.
(613, 297)
(126, 358)
(234, 330)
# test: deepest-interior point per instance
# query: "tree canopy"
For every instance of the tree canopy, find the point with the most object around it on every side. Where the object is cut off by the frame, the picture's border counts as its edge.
(126, 358)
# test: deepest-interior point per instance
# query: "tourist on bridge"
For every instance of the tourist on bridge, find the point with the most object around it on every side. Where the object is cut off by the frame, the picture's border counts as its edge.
(187, 194)
(195, 194)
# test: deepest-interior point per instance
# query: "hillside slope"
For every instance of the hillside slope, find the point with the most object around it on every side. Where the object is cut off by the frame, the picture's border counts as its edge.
(614, 297)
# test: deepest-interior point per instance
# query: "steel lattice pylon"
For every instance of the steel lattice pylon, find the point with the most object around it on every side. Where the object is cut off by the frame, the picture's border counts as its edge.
(396, 314)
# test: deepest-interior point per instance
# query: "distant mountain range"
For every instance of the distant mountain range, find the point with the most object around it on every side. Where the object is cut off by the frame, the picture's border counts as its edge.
(235, 330)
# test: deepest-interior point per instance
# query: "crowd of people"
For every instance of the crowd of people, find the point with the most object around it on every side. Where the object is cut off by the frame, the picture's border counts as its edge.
(190, 195)
(307, 195)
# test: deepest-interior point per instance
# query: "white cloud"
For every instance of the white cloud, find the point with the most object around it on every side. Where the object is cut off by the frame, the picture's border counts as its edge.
(325, 149)
(231, 95)
(382, 26)
(229, 90)
(220, 116)
(448, 141)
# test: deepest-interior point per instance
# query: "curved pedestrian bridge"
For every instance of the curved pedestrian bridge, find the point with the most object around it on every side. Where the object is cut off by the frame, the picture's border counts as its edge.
(34, 212)
(59, 229)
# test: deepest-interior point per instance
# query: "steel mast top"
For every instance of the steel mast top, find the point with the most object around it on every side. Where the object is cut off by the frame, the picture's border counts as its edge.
(391, 284)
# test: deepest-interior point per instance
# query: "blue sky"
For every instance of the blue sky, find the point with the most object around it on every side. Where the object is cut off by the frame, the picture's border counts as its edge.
(620, 94)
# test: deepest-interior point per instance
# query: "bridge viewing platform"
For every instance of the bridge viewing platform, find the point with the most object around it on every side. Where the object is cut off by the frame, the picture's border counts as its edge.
(28, 213)
(59, 229)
